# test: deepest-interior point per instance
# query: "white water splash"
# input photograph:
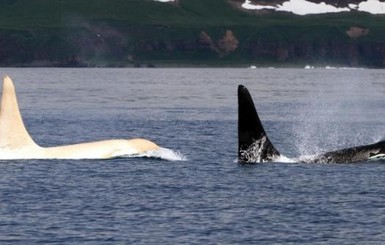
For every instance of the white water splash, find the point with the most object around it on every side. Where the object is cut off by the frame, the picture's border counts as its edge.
(325, 120)
(253, 154)
(305, 158)
(162, 153)
(283, 159)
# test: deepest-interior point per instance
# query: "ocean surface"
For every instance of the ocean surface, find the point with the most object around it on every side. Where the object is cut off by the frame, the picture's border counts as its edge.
(199, 194)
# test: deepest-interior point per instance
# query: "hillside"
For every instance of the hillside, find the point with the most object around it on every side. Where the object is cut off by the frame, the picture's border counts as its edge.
(183, 32)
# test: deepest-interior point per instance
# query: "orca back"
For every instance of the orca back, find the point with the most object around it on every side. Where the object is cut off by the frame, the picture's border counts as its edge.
(361, 153)
(253, 143)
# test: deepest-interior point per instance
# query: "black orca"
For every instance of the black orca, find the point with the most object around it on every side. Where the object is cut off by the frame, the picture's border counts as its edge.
(254, 146)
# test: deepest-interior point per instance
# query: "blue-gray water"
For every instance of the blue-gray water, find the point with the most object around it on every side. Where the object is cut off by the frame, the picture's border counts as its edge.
(209, 198)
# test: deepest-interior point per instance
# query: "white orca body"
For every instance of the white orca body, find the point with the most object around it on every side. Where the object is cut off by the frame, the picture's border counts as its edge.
(16, 143)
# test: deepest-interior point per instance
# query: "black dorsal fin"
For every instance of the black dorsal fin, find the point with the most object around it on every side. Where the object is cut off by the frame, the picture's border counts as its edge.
(253, 143)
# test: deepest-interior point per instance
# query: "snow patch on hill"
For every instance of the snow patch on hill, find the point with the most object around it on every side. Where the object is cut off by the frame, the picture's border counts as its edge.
(303, 7)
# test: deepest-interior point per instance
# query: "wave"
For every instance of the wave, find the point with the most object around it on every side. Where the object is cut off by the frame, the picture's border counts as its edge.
(161, 153)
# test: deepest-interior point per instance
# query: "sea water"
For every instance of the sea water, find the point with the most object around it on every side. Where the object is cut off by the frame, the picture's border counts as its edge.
(200, 195)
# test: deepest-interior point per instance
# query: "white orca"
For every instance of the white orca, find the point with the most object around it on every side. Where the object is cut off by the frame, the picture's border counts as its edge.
(254, 146)
(16, 143)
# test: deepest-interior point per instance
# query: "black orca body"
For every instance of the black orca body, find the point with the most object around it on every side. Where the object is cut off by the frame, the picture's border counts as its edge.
(254, 146)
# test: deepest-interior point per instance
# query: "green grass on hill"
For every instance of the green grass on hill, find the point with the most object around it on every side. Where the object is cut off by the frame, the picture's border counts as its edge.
(55, 28)
(23, 14)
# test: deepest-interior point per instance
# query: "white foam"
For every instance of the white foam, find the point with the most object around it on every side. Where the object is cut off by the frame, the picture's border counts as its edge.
(305, 158)
(162, 153)
(283, 159)
(254, 152)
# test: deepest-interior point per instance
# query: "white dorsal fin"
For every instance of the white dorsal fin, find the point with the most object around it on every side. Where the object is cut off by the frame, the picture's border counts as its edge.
(13, 133)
